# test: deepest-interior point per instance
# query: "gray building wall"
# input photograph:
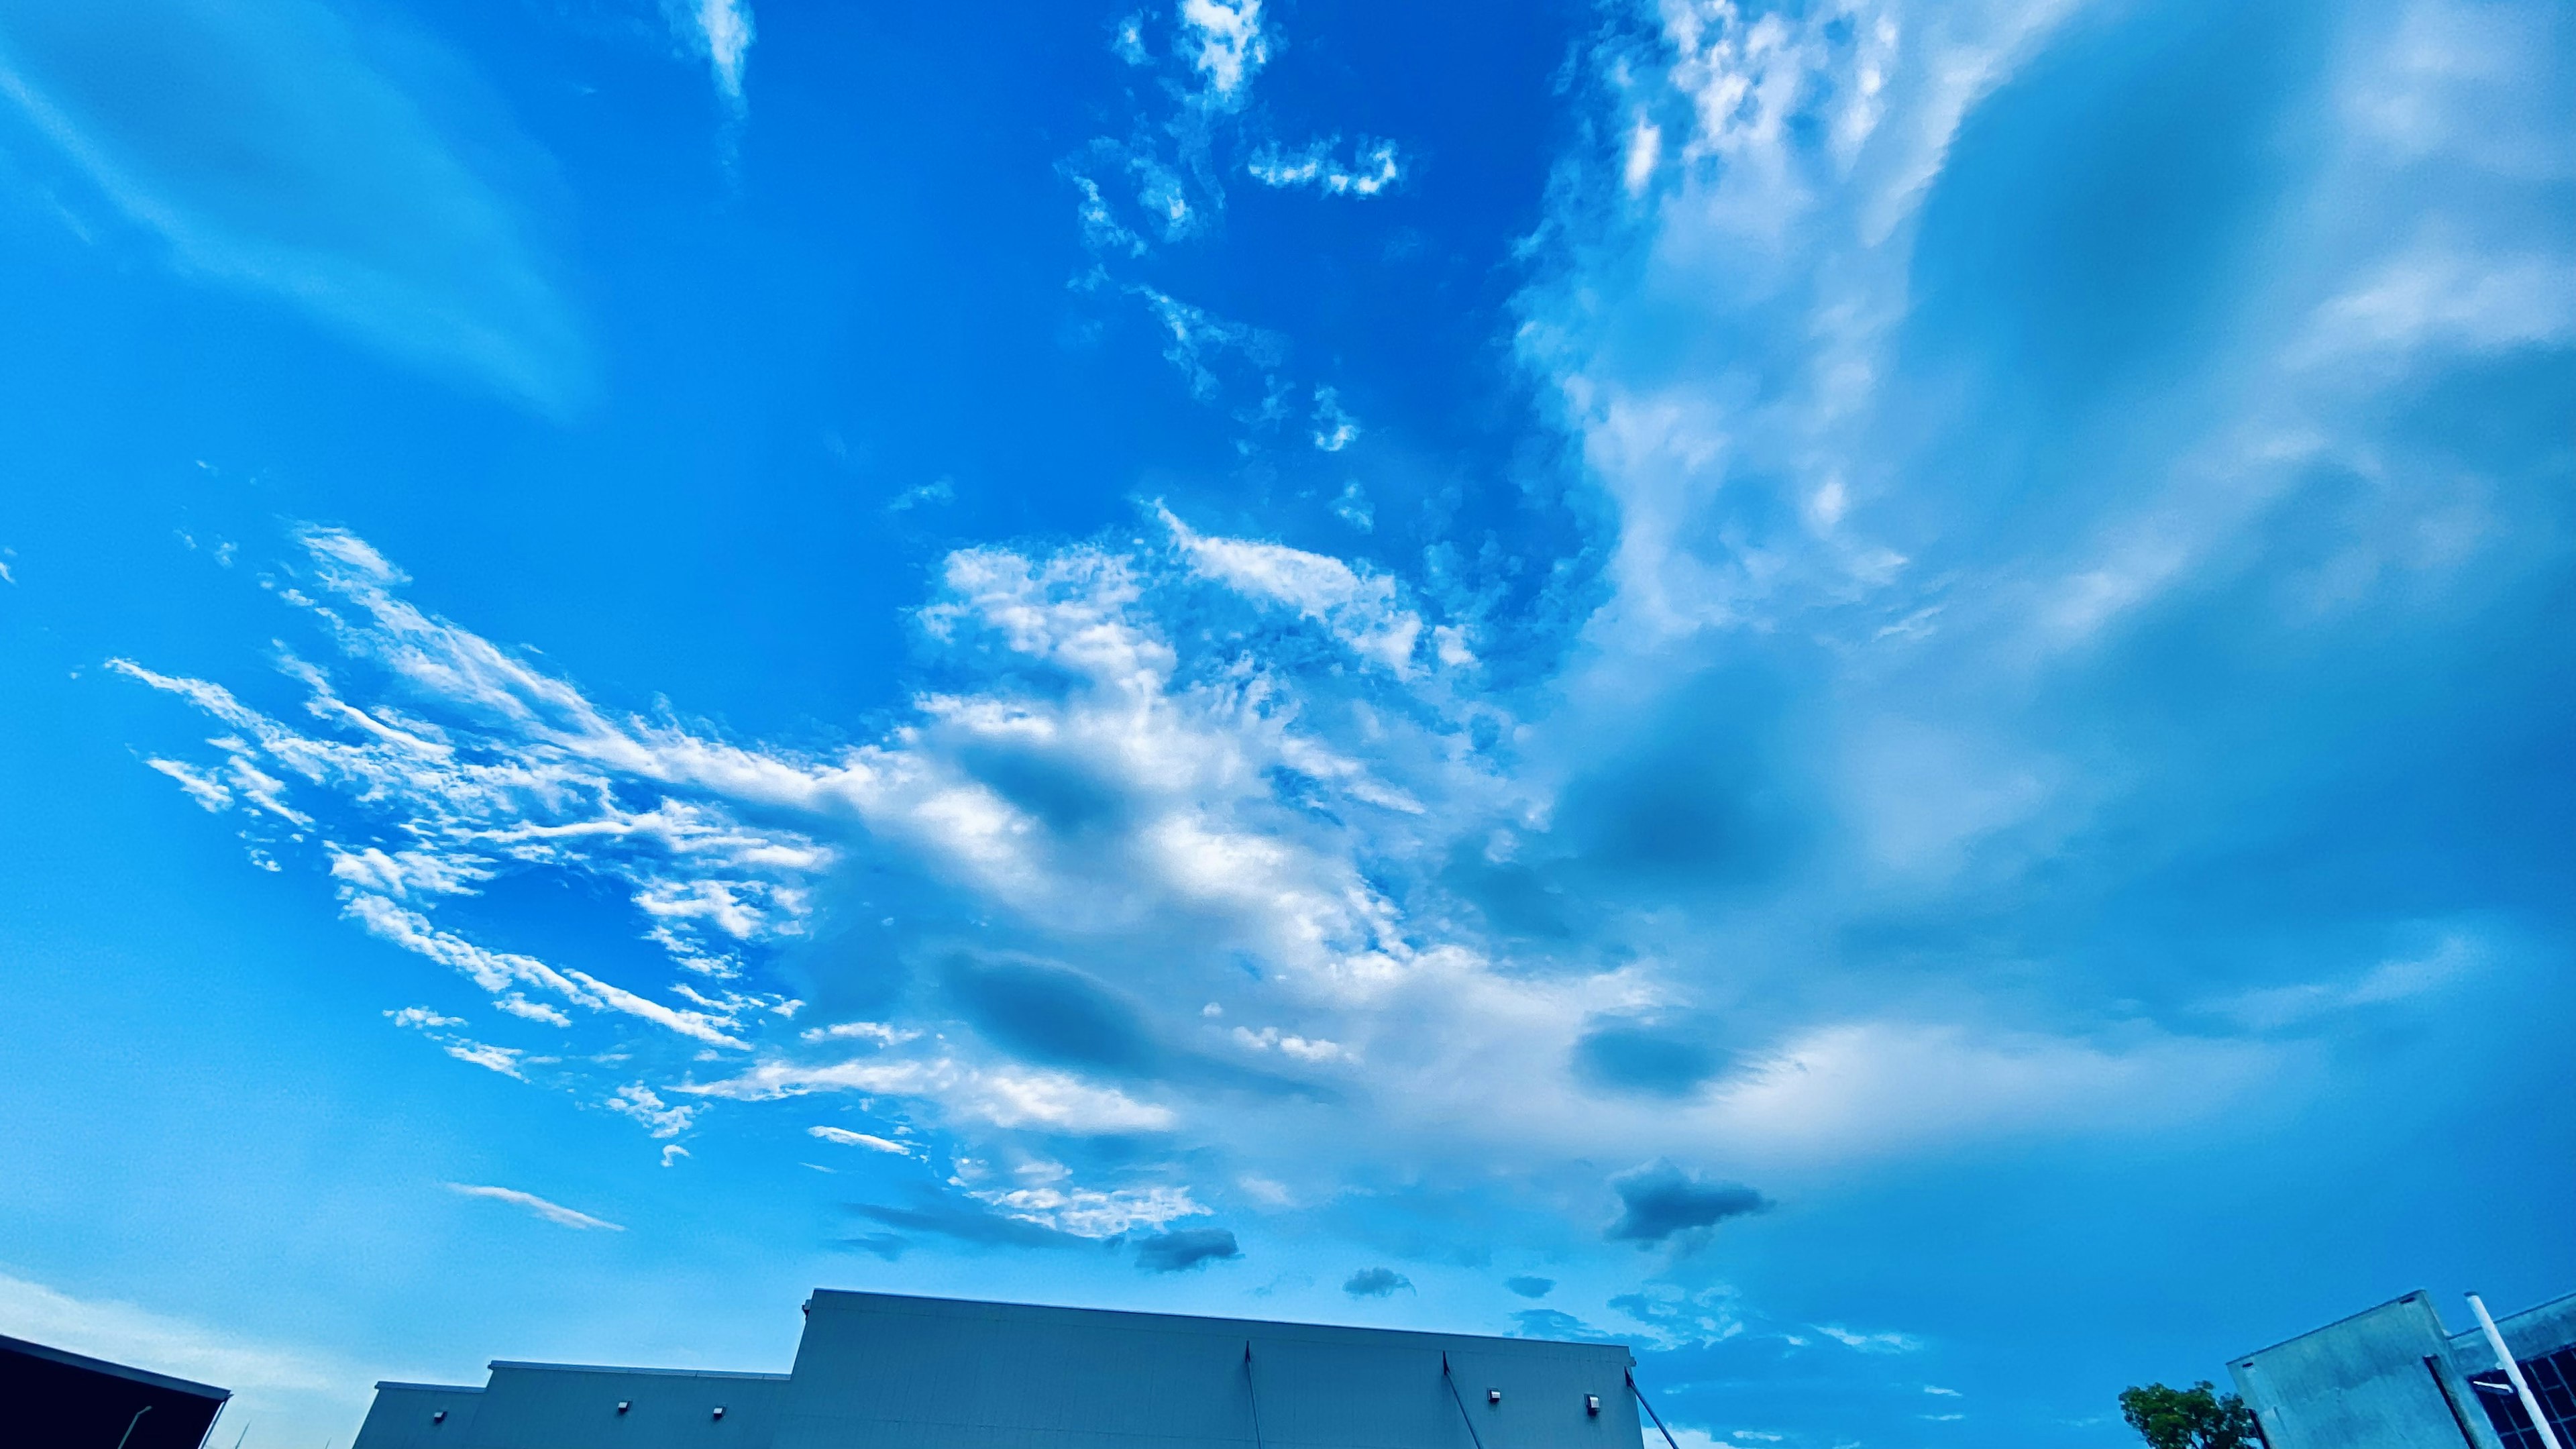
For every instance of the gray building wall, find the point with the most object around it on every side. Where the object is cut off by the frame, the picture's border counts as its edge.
(877, 1371)
(574, 1406)
(2377, 1380)
(405, 1416)
(2532, 1333)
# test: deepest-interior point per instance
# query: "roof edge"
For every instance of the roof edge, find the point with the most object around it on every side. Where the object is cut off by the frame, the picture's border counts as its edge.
(2416, 1296)
(1428, 1334)
(128, 1372)
(603, 1368)
(430, 1388)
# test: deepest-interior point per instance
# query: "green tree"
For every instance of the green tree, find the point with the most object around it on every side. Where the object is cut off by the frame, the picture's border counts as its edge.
(2198, 1417)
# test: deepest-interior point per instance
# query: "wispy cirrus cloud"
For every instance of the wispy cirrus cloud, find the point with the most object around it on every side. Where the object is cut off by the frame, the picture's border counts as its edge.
(1785, 849)
(345, 200)
(552, 1212)
(722, 32)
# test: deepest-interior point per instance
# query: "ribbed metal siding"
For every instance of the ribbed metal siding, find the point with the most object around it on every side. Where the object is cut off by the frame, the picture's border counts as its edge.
(404, 1416)
(532, 1406)
(884, 1372)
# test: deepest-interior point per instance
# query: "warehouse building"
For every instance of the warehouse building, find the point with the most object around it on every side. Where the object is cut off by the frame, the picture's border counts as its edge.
(54, 1397)
(2395, 1378)
(879, 1371)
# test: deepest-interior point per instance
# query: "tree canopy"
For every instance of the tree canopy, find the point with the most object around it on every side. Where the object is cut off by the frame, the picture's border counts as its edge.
(2198, 1417)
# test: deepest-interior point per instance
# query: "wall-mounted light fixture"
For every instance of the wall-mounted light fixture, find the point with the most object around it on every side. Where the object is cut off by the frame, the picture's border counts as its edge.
(719, 1411)
(625, 1404)
(1592, 1403)
(1493, 1396)
(438, 1416)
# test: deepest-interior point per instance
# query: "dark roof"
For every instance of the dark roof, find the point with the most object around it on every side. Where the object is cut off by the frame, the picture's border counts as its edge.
(118, 1370)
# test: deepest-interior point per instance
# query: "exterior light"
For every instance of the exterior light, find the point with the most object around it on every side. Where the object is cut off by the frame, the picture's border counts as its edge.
(1592, 1403)
(438, 1416)
(719, 1411)
(1493, 1396)
(625, 1404)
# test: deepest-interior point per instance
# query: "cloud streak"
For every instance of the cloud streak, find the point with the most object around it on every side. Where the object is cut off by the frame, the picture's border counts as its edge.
(555, 1213)
(344, 201)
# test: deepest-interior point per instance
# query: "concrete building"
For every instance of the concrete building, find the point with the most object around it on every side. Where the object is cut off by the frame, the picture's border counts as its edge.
(2395, 1378)
(877, 1371)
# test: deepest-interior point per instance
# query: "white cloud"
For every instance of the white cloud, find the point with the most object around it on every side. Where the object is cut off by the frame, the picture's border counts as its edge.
(1373, 168)
(1200, 343)
(1225, 45)
(200, 785)
(1009, 1097)
(722, 32)
(874, 1031)
(2399, 978)
(552, 1212)
(1360, 608)
(1353, 507)
(1304, 1049)
(1884, 1341)
(848, 1138)
(1335, 429)
(508, 1061)
(2443, 294)
(1128, 42)
(1091, 1213)
(1126, 764)
(1874, 1086)
(505, 1060)
(658, 1117)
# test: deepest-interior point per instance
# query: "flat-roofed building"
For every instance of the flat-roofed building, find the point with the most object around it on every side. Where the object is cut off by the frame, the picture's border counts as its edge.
(877, 1371)
(2394, 1377)
(52, 1396)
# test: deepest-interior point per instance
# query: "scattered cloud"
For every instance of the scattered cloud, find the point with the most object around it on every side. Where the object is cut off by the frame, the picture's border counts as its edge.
(646, 1106)
(2403, 978)
(1334, 428)
(1186, 1249)
(555, 1213)
(1550, 1323)
(1372, 170)
(1674, 1318)
(1225, 44)
(1376, 1283)
(721, 31)
(1353, 507)
(1659, 1202)
(848, 1138)
(1883, 1342)
(1530, 1286)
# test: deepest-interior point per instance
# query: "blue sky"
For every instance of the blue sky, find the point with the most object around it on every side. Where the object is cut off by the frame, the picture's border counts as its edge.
(1875, 694)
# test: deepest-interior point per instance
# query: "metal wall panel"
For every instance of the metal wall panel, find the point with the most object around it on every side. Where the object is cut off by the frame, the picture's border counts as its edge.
(551, 1406)
(877, 1371)
(2532, 1333)
(406, 1416)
